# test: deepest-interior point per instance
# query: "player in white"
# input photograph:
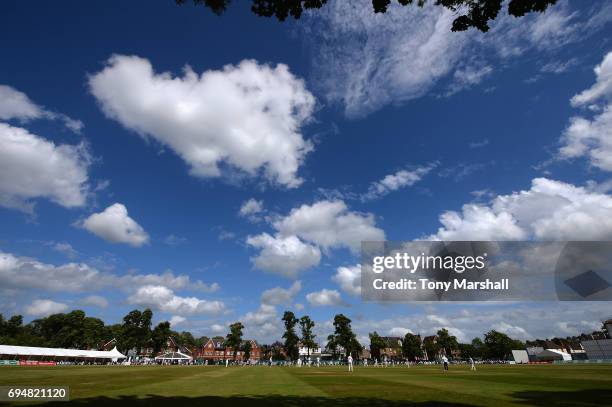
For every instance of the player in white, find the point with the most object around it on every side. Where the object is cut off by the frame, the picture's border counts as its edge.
(445, 362)
(226, 362)
(472, 364)
(365, 362)
(350, 363)
(299, 362)
(318, 361)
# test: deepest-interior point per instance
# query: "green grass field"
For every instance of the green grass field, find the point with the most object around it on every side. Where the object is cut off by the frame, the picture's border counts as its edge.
(586, 385)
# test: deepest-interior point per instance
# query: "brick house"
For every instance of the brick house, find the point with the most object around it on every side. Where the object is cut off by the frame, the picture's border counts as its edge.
(215, 350)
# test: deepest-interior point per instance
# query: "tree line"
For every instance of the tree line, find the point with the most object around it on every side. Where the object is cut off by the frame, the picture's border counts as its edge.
(76, 330)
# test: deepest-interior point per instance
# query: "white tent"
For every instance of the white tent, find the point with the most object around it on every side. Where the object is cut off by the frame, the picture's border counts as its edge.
(553, 354)
(174, 357)
(520, 356)
(34, 352)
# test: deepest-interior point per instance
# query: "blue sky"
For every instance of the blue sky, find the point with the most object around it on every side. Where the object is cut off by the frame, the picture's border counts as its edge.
(124, 172)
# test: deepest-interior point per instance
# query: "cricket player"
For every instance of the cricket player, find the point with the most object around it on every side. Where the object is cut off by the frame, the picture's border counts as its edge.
(445, 362)
(350, 363)
(472, 364)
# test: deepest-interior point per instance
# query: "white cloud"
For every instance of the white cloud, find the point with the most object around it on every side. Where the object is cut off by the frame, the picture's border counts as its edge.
(174, 240)
(365, 61)
(17, 105)
(279, 295)
(329, 224)
(592, 137)
(251, 210)
(247, 117)
(176, 320)
(398, 180)
(65, 248)
(114, 225)
(217, 329)
(23, 273)
(399, 331)
(43, 308)
(264, 323)
(163, 299)
(549, 210)
(32, 167)
(349, 279)
(94, 301)
(324, 297)
(287, 256)
(305, 230)
(514, 331)
(558, 67)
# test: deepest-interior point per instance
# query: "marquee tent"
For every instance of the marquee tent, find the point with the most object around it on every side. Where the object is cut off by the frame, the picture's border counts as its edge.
(174, 357)
(549, 355)
(57, 353)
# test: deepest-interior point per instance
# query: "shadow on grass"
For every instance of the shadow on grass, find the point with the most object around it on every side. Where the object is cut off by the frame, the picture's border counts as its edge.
(588, 397)
(248, 401)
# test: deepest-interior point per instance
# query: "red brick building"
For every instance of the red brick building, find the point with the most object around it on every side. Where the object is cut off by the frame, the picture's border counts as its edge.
(215, 350)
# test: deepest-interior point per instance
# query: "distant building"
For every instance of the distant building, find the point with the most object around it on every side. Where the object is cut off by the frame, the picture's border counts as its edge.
(393, 347)
(215, 350)
(312, 352)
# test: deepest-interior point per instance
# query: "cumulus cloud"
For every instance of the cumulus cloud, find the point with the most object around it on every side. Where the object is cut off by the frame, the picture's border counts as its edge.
(248, 116)
(23, 273)
(114, 225)
(177, 320)
(399, 331)
(398, 180)
(329, 224)
(592, 138)
(251, 210)
(43, 308)
(164, 299)
(17, 105)
(65, 248)
(264, 323)
(306, 230)
(365, 61)
(549, 210)
(279, 295)
(287, 256)
(94, 301)
(32, 167)
(324, 297)
(349, 279)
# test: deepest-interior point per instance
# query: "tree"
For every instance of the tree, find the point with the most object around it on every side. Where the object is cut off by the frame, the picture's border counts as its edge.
(411, 346)
(234, 337)
(376, 344)
(447, 341)
(432, 347)
(201, 341)
(277, 351)
(499, 345)
(160, 335)
(308, 338)
(471, 13)
(343, 335)
(136, 329)
(291, 339)
(246, 349)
